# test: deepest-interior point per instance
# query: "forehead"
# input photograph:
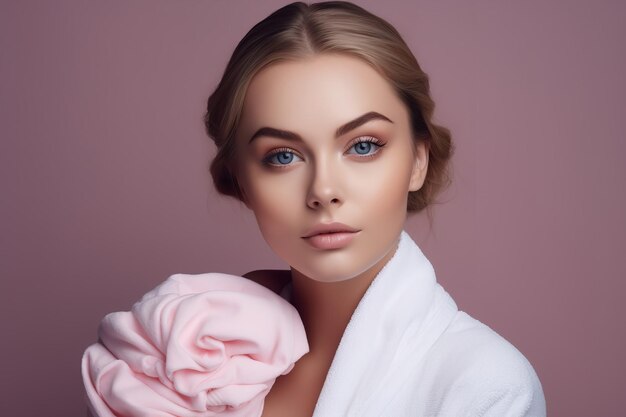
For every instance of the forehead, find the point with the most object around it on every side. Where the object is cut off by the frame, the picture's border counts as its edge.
(320, 92)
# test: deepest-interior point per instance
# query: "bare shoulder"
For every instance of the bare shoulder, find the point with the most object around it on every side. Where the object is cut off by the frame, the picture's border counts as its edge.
(273, 279)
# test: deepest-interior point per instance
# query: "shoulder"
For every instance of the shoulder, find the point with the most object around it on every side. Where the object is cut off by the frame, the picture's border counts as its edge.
(273, 279)
(476, 372)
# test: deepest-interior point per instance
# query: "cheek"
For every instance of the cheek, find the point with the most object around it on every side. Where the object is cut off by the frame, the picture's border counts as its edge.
(384, 190)
(273, 198)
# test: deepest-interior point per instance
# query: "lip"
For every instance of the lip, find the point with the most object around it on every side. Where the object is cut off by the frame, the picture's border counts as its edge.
(330, 235)
(325, 228)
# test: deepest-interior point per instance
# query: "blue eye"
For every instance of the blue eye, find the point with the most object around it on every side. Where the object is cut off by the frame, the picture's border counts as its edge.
(367, 147)
(282, 157)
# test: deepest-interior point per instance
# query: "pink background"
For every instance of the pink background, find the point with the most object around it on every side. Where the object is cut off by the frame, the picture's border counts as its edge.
(105, 191)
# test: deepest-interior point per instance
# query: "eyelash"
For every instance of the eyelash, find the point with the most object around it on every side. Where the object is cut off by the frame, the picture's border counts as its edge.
(367, 139)
(266, 161)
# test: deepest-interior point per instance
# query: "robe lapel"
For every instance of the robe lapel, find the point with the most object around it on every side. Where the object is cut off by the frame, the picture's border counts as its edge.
(400, 316)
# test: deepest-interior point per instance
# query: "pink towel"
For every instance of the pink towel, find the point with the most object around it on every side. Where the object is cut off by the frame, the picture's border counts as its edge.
(197, 346)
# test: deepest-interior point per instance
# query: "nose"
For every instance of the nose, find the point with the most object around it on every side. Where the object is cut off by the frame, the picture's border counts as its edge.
(324, 187)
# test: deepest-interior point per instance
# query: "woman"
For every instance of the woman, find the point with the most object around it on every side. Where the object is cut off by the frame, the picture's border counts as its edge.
(323, 126)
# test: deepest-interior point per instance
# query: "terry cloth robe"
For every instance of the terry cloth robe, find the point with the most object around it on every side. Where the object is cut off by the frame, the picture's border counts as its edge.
(409, 352)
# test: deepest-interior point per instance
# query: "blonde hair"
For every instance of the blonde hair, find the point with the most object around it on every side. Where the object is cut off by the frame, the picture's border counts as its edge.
(299, 30)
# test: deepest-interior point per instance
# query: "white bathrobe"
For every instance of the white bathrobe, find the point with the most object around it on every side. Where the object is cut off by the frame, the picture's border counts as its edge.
(409, 352)
(207, 344)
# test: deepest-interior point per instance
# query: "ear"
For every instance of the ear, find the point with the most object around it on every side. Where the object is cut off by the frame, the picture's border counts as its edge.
(420, 165)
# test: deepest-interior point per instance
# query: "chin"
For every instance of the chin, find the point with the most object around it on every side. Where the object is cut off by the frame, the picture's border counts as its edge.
(335, 269)
(336, 266)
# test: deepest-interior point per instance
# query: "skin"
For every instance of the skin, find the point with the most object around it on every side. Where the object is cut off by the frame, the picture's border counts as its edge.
(323, 178)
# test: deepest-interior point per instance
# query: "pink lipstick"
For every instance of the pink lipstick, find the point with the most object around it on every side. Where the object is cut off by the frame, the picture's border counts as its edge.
(330, 235)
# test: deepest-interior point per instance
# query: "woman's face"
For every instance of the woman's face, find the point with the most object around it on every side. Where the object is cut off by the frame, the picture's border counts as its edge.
(302, 163)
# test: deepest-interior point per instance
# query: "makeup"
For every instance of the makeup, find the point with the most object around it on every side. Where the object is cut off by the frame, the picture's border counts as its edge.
(328, 241)
(331, 164)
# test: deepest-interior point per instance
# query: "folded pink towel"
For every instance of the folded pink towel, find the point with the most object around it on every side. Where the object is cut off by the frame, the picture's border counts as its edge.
(197, 346)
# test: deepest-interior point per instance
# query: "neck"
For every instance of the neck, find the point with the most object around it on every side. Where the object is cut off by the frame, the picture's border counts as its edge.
(326, 307)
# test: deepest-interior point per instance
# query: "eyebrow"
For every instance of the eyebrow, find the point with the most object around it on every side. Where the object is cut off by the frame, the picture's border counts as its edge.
(342, 130)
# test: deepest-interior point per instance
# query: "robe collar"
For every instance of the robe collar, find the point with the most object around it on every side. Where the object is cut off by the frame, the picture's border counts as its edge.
(400, 316)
